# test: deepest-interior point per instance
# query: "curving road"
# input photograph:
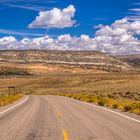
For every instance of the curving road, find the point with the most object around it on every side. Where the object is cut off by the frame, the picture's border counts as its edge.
(60, 118)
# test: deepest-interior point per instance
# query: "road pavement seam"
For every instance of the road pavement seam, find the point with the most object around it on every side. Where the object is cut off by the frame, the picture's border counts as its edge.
(14, 106)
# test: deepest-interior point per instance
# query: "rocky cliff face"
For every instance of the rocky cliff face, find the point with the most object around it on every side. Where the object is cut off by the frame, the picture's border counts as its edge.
(87, 59)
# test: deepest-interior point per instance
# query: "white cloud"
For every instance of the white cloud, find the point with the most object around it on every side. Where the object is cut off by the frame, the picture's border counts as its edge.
(134, 14)
(42, 41)
(20, 33)
(27, 7)
(7, 40)
(55, 18)
(25, 41)
(64, 38)
(120, 37)
(135, 9)
(85, 38)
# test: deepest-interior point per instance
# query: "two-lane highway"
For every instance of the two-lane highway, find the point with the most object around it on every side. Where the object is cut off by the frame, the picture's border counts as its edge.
(60, 118)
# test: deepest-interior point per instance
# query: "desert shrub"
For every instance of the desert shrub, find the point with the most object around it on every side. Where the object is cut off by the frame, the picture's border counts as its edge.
(89, 99)
(5, 99)
(101, 103)
(127, 108)
(126, 105)
(115, 105)
(69, 95)
(110, 96)
(136, 111)
(78, 97)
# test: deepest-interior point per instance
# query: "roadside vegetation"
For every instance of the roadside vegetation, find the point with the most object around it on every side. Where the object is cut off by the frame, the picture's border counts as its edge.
(107, 101)
(6, 99)
(118, 91)
(109, 90)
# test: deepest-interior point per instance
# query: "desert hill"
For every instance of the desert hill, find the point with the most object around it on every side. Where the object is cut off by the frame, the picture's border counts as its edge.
(133, 60)
(66, 59)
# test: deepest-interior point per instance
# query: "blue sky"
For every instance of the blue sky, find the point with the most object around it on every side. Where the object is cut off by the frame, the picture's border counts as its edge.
(16, 15)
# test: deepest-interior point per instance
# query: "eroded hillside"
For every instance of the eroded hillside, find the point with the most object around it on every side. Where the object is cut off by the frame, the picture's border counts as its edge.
(80, 59)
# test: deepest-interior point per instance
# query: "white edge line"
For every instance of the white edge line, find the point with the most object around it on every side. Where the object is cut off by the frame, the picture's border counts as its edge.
(14, 106)
(109, 110)
(112, 112)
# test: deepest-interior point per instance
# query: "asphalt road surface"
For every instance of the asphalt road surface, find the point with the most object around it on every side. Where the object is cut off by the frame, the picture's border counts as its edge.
(60, 118)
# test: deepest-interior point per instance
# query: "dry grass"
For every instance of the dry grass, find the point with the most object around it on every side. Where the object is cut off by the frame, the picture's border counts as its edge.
(115, 91)
(7, 68)
(121, 91)
(122, 104)
(5, 99)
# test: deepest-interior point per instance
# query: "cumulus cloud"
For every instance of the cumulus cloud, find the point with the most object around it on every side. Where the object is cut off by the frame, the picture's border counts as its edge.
(55, 18)
(65, 42)
(120, 37)
(7, 40)
(64, 38)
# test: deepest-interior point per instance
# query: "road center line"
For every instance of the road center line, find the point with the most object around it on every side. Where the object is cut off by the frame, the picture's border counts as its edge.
(59, 114)
(65, 134)
(14, 106)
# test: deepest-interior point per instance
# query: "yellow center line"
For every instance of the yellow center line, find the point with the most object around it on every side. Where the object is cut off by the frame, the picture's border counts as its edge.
(65, 134)
(59, 114)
